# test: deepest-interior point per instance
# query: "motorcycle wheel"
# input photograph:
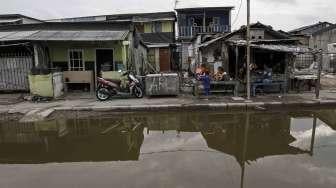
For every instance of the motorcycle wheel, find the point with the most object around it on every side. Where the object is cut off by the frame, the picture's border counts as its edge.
(102, 94)
(137, 92)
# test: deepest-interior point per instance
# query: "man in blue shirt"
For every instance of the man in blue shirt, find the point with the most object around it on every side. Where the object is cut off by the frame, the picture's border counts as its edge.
(205, 78)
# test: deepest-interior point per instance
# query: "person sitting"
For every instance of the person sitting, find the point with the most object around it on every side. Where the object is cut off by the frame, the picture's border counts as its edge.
(201, 69)
(219, 76)
(205, 78)
(267, 74)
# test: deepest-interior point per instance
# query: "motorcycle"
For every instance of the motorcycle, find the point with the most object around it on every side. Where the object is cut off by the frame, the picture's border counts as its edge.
(111, 87)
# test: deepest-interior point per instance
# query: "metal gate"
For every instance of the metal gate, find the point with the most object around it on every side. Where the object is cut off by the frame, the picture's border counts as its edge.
(14, 70)
(330, 59)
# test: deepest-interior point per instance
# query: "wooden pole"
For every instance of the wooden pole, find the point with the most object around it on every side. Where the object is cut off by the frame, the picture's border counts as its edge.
(204, 26)
(248, 52)
(236, 64)
(313, 136)
(36, 56)
(318, 82)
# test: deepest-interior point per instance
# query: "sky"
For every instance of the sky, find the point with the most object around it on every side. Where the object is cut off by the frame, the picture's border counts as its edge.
(281, 14)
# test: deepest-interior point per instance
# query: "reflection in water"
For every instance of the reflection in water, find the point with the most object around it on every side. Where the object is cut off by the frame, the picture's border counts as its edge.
(246, 137)
(69, 141)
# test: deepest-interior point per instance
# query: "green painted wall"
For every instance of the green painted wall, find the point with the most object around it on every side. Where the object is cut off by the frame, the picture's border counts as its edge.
(167, 26)
(148, 27)
(59, 50)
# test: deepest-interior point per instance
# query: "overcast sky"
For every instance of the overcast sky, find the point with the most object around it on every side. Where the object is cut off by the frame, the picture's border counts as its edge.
(281, 14)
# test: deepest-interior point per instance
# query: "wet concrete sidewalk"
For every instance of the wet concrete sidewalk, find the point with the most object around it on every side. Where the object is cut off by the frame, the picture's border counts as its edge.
(83, 102)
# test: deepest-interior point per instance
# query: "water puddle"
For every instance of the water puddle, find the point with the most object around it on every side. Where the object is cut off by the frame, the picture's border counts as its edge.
(172, 149)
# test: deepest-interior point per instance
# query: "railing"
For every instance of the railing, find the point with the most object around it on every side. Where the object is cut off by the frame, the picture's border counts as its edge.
(189, 31)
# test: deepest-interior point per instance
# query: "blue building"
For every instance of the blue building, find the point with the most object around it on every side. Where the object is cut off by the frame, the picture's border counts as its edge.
(192, 21)
(196, 18)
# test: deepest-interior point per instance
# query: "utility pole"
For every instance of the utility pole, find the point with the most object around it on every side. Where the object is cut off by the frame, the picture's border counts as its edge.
(248, 52)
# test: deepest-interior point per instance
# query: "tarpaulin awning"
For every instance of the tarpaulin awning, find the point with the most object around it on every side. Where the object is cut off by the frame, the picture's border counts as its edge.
(64, 35)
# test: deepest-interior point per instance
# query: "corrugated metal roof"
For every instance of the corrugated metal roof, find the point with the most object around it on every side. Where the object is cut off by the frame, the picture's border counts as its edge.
(6, 33)
(21, 35)
(129, 17)
(13, 20)
(282, 48)
(274, 47)
(155, 38)
(205, 44)
(63, 35)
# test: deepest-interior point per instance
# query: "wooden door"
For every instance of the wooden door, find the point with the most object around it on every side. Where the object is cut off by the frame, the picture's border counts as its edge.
(165, 60)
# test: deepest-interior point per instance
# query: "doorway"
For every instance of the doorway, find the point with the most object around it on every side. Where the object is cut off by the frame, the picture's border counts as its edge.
(104, 61)
(165, 60)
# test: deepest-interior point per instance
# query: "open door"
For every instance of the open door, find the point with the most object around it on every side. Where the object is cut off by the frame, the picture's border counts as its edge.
(104, 61)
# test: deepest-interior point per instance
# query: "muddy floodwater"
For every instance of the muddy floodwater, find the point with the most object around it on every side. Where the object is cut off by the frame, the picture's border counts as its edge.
(172, 149)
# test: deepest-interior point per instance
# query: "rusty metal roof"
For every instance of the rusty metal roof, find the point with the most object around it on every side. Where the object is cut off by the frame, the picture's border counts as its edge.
(64, 35)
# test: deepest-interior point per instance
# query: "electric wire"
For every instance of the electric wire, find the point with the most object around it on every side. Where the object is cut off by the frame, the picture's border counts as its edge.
(237, 15)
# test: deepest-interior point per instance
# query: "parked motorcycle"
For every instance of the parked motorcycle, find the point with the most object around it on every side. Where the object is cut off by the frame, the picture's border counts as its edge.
(111, 87)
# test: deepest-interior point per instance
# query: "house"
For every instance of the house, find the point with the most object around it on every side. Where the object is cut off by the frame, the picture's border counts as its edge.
(325, 39)
(304, 33)
(193, 19)
(270, 49)
(157, 31)
(13, 19)
(229, 49)
(319, 36)
(82, 50)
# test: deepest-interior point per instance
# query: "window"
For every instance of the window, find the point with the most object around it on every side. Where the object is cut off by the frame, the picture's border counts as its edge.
(157, 27)
(151, 56)
(76, 62)
(258, 33)
(216, 21)
(140, 27)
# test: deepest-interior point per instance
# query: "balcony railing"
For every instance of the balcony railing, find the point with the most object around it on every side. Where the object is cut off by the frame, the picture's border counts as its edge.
(189, 31)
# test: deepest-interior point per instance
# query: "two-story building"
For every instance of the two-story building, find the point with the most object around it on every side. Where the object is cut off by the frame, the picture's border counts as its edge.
(157, 31)
(192, 21)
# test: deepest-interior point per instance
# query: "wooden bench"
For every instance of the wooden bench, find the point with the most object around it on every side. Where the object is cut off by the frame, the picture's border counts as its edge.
(255, 85)
(299, 81)
(78, 77)
(219, 87)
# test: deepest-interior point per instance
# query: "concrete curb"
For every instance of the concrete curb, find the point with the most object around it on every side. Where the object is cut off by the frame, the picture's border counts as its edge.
(205, 106)
(42, 114)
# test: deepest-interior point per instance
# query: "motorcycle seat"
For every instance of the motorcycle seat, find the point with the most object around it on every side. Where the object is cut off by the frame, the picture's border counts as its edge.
(118, 82)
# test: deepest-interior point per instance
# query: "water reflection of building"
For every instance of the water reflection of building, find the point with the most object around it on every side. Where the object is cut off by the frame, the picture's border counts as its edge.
(69, 141)
(247, 138)
(329, 117)
(266, 136)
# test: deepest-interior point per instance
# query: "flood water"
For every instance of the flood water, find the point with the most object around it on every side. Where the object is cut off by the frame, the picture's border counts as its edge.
(172, 149)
